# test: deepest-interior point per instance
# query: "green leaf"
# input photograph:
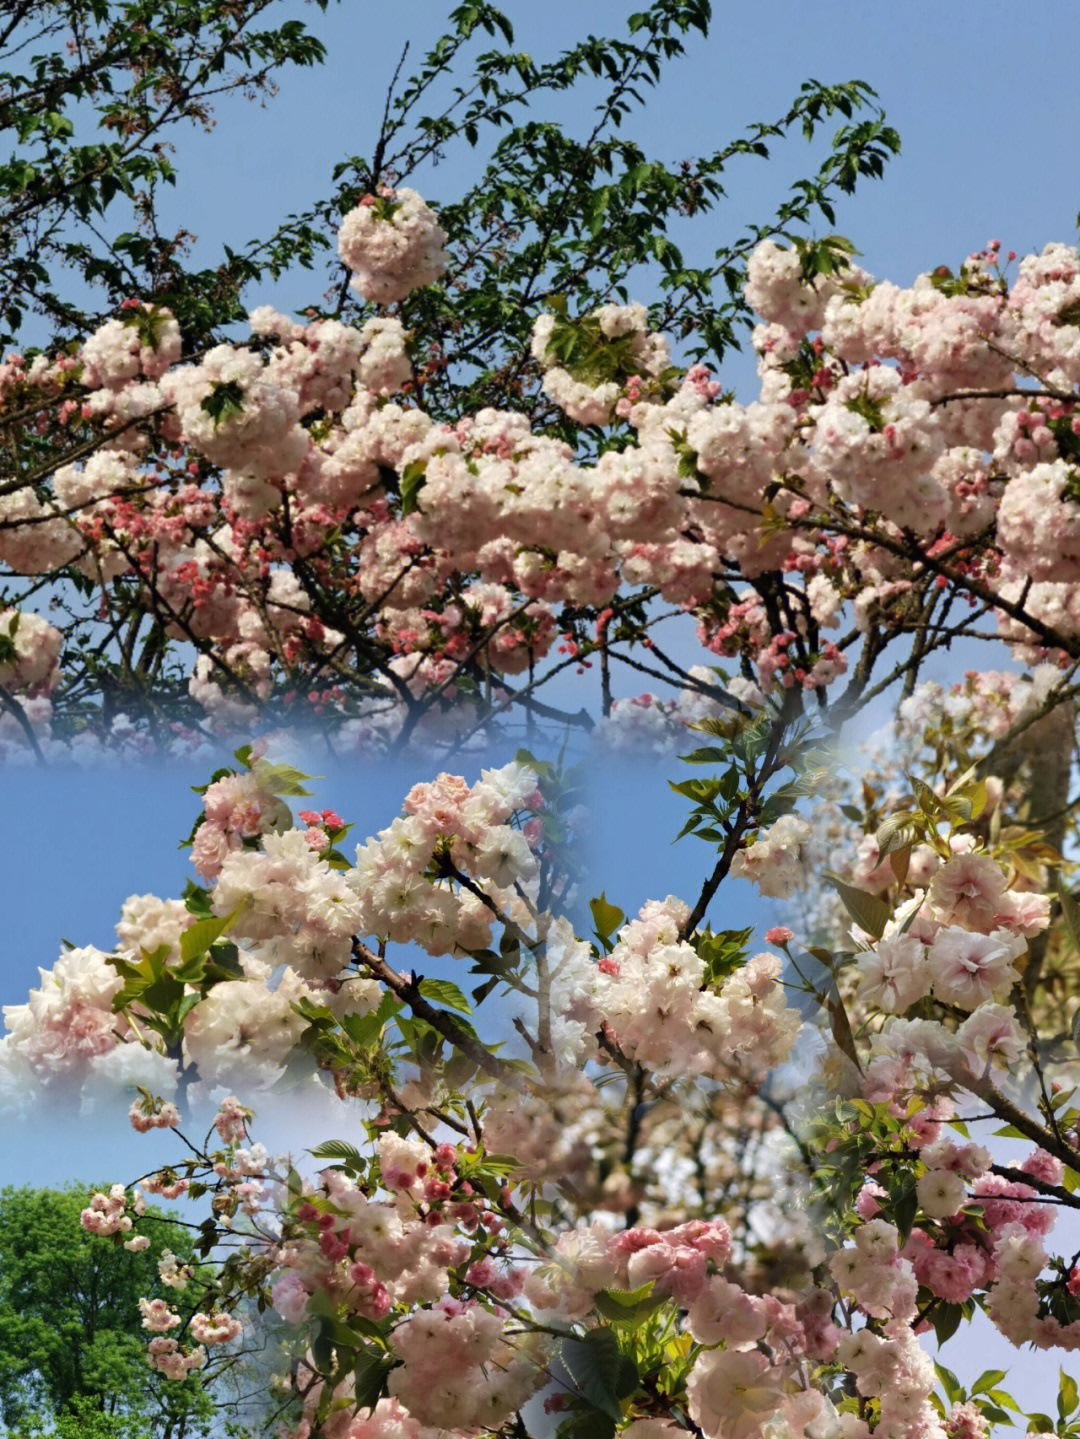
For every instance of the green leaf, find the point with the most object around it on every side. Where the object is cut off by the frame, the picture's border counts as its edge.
(221, 963)
(1040, 1423)
(894, 834)
(196, 898)
(999, 1396)
(225, 400)
(369, 1375)
(444, 991)
(1068, 1396)
(198, 937)
(481, 992)
(999, 1416)
(721, 952)
(978, 797)
(949, 1383)
(365, 1030)
(905, 1206)
(928, 801)
(868, 911)
(607, 917)
(946, 1320)
(186, 1005)
(601, 1375)
(322, 1350)
(352, 1161)
(164, 996)
(497, 1164)
(629, 1307)
(587, 1424)
(149, 975)
(840, 1025)
(412, 482)
(987, 1380)
(279, 778)
(702, 791)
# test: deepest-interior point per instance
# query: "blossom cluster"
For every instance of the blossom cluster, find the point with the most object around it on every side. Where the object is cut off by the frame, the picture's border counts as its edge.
(393, 244)
(423, 1257)
(245, 489)
(662, 1012)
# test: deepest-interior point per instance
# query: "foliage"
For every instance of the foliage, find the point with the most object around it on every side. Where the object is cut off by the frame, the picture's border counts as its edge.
(71, 1342)
(90, 91)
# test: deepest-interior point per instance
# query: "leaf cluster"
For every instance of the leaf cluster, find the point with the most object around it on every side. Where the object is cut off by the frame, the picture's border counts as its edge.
(89, 92)
(71, 1339)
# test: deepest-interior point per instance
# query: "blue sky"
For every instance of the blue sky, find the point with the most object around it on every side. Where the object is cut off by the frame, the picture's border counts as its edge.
(988, 108)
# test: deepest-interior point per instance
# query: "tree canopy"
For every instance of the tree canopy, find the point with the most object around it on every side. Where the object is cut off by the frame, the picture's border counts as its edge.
(71, 1339)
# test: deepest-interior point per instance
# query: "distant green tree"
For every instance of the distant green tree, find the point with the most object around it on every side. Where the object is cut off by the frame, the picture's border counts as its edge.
(72, 1346)
(83, 1421)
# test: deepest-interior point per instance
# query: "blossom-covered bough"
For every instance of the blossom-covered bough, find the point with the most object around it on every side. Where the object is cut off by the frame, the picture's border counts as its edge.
(647, 1177)
(292, 515)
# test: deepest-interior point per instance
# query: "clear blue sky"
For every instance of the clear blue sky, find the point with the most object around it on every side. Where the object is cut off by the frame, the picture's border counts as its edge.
(986, 100)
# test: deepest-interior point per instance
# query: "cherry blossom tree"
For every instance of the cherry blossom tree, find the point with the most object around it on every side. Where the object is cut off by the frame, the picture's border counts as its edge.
(229, 529)
(693, 1183)
(581, 1168)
